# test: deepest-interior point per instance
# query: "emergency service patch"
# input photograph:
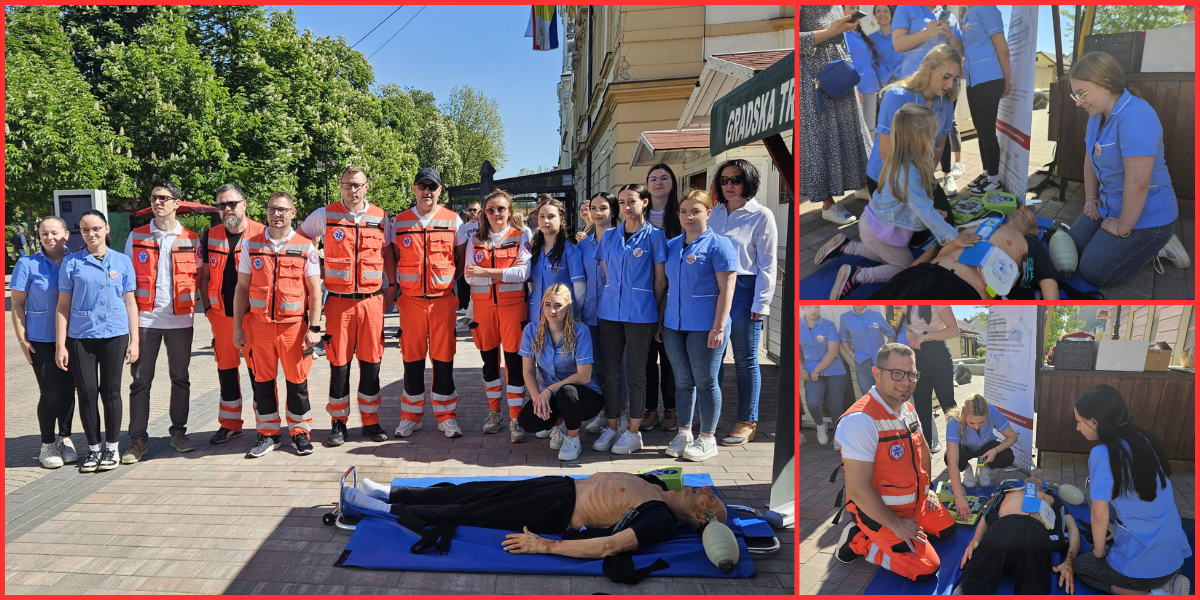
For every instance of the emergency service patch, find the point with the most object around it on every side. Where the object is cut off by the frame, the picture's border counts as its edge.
(896, 452)
(113, 275)
(212, 260)
(313, 258)
(258, 263)
(691, 259)
(528, 248)
(478, 256)
(407, 241)
(339, 234)
(143, 256)
(638, 252)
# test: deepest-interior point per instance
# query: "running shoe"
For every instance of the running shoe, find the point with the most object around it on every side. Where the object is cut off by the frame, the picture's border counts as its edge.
(224, 435)
(958, 169)
(493, 423)
(1176, 253)
(846, 282)
(375, 433)
(702, 448)
(571, 447)
(838, 214)
(337, 434)
(406, 428)
(949, 185)
(516, 435)
(301, 443)
(264, 444)
(831, 249)
(450, 428)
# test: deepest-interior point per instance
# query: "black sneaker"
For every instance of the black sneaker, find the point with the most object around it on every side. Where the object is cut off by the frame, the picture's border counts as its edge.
(224, 435)
(263, 445)
(978, 181)
(108, 460)
(846, 282)
(844, 553)
(300, 441)
(91, 461)
(375, 433)
(337, 434)
(831, 249)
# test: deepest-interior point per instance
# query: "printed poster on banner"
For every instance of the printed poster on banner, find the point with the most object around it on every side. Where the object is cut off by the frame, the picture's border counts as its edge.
(1008, 377)
(1014, 119)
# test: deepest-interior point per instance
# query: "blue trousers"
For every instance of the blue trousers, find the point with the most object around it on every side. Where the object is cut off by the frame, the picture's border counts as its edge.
(827, 390)
(862, 372)
(696, 366)
(1105, 259)
(744, 336)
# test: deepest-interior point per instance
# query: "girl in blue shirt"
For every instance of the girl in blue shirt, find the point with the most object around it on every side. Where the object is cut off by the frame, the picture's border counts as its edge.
(822, 371)
(986, 69)
(34, 299)
(555, 258)
(862, 56)
(887, 60)
(663, 213)
(602, 217)
(970, 433)
(96, 325)
(630, 310)
(1131, 209)
(701, 269)
(1129, 484)
(559, 350)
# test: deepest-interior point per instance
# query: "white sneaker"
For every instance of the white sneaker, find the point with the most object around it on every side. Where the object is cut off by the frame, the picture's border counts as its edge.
(701, 448)
(50, 456)
(67, 450)
(605, 442)
(935, 447)
(985, 187)
(838, 215)
(949, 185)
(822, 434)
(450, 428)
(681, 442)
(571, 446)
(862, 194)
(595, 426)
(1179, 585)
(968, 476)
(516, 435)
(985, 476)
(628, 443)
(958, 169)
(1176, 253)
(557, 435)
(494, 422)
(836, 446)
(406, 427)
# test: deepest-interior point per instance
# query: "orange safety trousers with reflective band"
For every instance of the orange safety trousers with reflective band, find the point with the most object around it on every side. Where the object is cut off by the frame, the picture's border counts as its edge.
(499, 310)
(185, 253)
(219, 253)
(353, 251)
(278, 293)
(355, 328)
(901, 482)
(425, 255)
(428, 327)
(229, 411)
(274, 345)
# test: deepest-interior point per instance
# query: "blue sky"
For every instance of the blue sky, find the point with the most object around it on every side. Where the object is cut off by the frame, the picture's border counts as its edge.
(449, 46)
(1045, 38)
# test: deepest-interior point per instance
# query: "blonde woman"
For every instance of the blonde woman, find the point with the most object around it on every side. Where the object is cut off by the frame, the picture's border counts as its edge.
(971, 433)
(558, 349)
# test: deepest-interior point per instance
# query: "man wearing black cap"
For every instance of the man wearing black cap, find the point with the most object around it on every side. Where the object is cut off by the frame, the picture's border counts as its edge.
(425, 268)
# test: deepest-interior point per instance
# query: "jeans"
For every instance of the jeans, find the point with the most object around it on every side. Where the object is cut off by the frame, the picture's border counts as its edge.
(630, 341)
(862, 372)
(598, 371)
(937, 375)
(696, 367)
(1105, 259)
(744, 336)
(179, 357)
(827, 389)
(56, 402)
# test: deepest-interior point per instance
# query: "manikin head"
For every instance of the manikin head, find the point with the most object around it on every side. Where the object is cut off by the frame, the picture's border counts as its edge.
(692, 504)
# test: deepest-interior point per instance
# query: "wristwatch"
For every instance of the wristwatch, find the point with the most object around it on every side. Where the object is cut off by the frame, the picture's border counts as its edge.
(314, 328)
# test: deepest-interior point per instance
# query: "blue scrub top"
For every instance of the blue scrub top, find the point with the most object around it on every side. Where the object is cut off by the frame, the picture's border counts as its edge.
(815, 342)
(887, 60)
(97, 289)
(893, 99)
(628, 295)
(914, 18)
(1132, 129)
(981, 63)
(554, 363)
(1149, 540)
(864, 63)
(692, 288)
(589, 255)
(37, 276)
(969, 437)
(543, 274)
(865, 333)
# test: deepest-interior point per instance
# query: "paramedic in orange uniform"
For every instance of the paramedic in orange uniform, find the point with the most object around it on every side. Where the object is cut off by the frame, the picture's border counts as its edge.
(279, 279)
(497, 264)
(425, 268)
(218, 280)
(355, 234)
(887, 469)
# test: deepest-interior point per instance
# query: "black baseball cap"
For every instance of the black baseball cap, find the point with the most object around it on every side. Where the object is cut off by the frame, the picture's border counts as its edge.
(429, 173)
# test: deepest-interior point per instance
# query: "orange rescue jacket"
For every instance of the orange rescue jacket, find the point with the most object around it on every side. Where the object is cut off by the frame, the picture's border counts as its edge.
(898, 477)
(185, 253)
(490, 256)
(353, 251)
(219, 253)
(278, 293)
(425, 255)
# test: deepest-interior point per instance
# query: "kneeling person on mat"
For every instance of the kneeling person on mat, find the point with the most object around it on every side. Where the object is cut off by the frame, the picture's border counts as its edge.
(970, 433)
(882, 442)
(622, 512)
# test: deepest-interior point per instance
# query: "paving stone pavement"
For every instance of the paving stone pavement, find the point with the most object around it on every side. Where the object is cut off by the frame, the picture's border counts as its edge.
(212, 522)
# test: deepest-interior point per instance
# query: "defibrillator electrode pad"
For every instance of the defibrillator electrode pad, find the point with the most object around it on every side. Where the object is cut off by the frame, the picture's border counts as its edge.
(998, 269)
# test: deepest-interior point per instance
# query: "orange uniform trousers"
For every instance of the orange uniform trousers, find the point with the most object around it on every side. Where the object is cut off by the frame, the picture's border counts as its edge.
(275, 344)
(354, 328)
(427, 328)
(229, 358)
(496, 327)
(886, 549)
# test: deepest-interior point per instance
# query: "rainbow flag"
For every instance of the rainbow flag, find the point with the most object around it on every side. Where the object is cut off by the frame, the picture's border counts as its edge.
(543, 26)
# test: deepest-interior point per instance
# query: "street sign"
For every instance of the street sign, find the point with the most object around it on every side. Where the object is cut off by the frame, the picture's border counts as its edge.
(761, 107)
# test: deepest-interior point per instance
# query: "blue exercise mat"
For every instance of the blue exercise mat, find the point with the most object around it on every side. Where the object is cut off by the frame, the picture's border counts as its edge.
(951, 551)
(379, 542)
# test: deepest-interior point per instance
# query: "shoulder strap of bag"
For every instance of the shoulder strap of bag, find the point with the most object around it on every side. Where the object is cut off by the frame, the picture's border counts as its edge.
(816, 86)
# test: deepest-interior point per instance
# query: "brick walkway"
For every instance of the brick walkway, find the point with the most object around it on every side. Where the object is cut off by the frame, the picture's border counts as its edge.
(1145, 284)
(212, 522)
(818, 572)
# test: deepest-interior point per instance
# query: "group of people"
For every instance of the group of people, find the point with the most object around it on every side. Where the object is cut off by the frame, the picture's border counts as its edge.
(654, 272)
(915, 64)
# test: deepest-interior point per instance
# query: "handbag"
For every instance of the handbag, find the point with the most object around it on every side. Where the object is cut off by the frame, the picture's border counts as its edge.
(837, 78)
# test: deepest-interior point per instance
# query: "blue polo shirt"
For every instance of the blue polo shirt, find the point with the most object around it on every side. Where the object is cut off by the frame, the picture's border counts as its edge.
(914, 17)
(1148, 540)
(815, 342)
(554, 362)
(887, 60)
(975, 439)
(543, 274)
(981, 63)
(589, 255)
(865, 333)
(97, 289)
(37, 276)
(692, 289)
(1132, 129)
(864, 63)
(628, 295)
(893, 99)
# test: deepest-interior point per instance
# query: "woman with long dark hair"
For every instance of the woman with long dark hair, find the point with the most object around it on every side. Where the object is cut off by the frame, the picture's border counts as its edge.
(555, 257)
(663, 213)
(602, 214)
(1129, 485)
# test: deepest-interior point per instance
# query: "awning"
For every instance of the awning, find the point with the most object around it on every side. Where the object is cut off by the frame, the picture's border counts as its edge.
(670, 147)
(721, 74)
(761, 107)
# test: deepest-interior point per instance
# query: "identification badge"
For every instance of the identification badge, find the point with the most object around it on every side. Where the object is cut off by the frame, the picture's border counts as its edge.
(875, 325)
(911, 423)
(1048, 516)
(820, 338)
(113, 274)
(1098, 150)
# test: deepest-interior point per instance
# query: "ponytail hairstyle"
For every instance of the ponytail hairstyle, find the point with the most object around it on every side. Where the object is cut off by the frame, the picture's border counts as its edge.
(975, 406)
(1103, 70)
(671, 224)
(914, 130)
(543, 328)
(539, 241)
(485, 226)
(937, 60)
(862, 36)
(1136, 459)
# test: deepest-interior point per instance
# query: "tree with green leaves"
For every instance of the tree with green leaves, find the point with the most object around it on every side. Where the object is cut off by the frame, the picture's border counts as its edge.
(1119, 18)
(1063, 319)
(480, 130)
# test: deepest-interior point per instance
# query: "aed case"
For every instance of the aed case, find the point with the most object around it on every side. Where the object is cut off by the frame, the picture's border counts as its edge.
(969, 209)
(70, 205)
(672, 476)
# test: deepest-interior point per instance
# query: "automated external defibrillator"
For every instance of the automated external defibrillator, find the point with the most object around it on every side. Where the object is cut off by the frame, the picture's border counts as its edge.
(1052, 519)
(998, 269)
